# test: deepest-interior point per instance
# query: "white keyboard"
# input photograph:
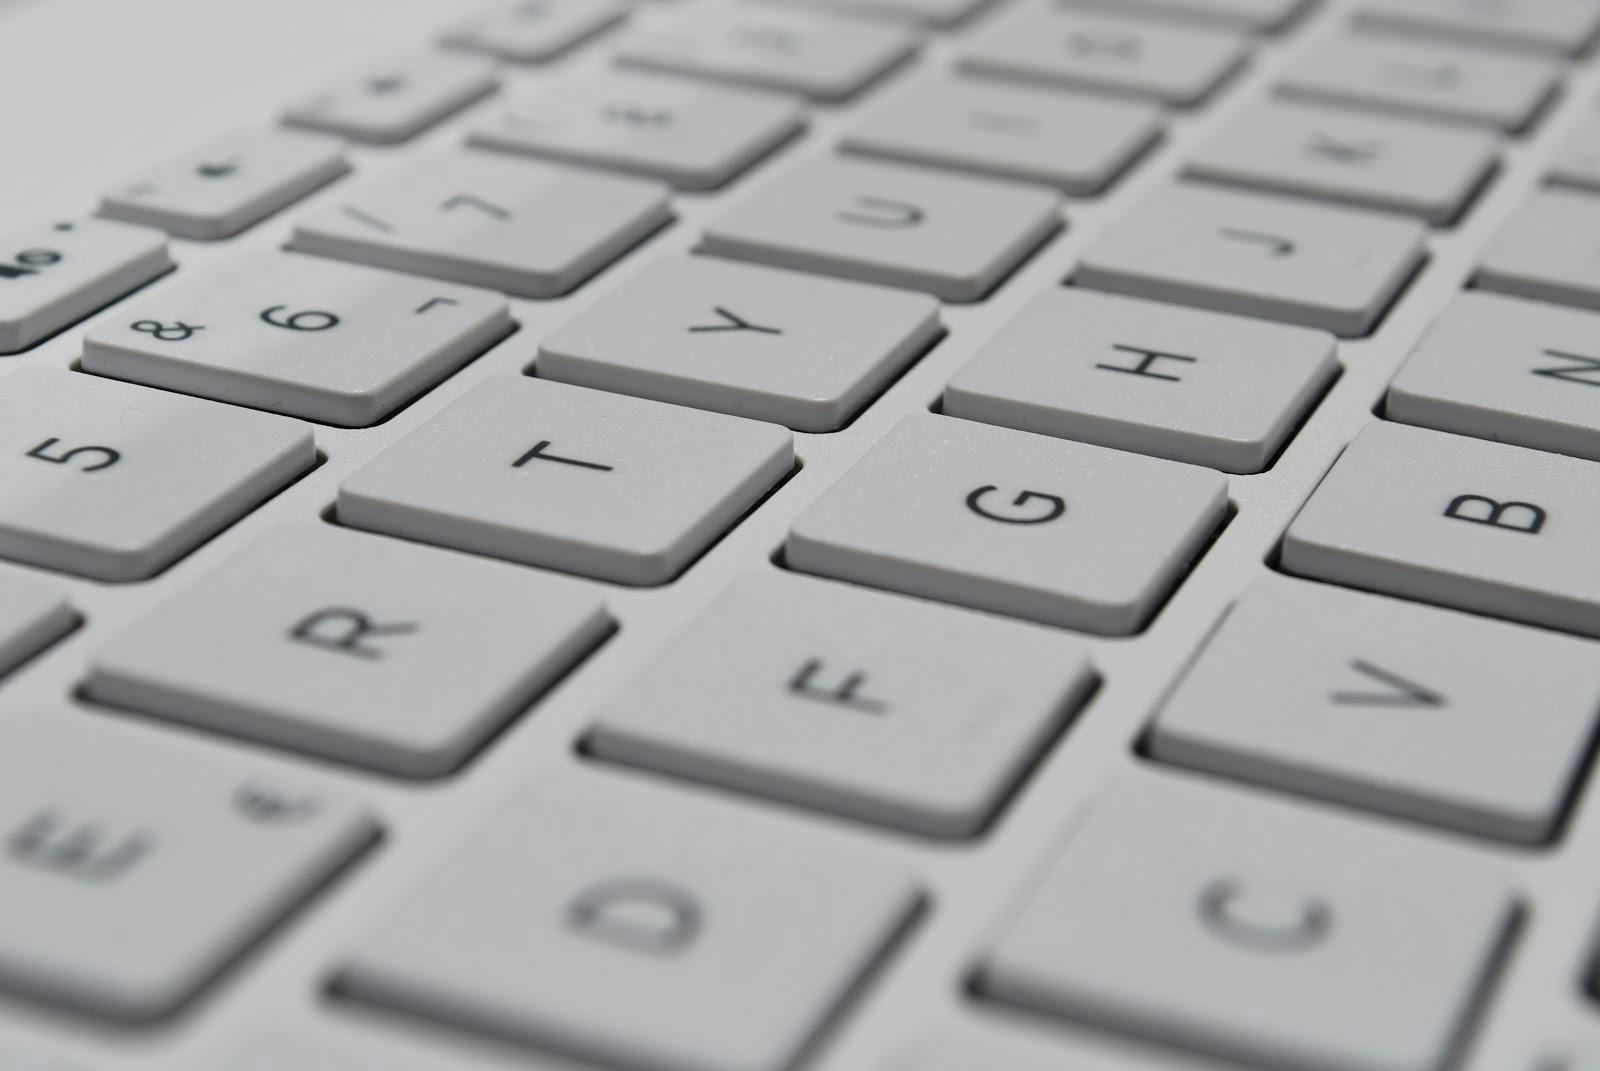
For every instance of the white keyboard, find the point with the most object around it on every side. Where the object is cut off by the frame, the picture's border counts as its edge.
(799, 535)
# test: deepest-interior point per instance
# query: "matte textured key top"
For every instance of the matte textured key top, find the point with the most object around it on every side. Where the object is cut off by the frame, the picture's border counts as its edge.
(867, 705)
(534, 31)
(291, 1046)
(1075, 142)
(755, 342)
(1337, 269)
(1370, 161)
(818, 56)
(979, 1045)
(1177, 65)
(1017, 524)
(1223, 391)
(1378, 703)
(1433, 81)
(1239, 926)
(953, 236)
(370, 651)
(396, 99)
(1260, 16)
(1551, 27)
(1479, 526)
(55, 273)
(227, 184)
(136, 866)
(572, 479)
(940, 14)
(33, 615)
(1547, 251)
(527, 228)
(1578, 163)
(116, 482)
(301, 336)
(621, 922)
(1502, 368)
(692, 135)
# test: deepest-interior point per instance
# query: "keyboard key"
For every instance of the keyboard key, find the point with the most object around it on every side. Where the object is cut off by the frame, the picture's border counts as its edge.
(572, 479)
(695, 136)
(1377, 703)
(1077, 143)
(1506, 369)
(1432, 81)
(530, 229)
(534, 31)
(935, 14)
(1337, 269)
(116, 482)
(54, 274)
(755, 342)
(396, 99)
(1259, 16)
(620, 923)
(1016, 524)
(1241, 928)
(1578, 164)
(1178, 65)
(1370, 161)
(1546, 254)
(1200, 387)
(1478, 526)
(302, 336)
(871, 706)
(376, 652)
(290, 1046)
(137, 866)
(814, 55)
(952, 236)
(1020, 1047)
(13, 1058)
(227, 184)
(1551, 27)
(33, 615)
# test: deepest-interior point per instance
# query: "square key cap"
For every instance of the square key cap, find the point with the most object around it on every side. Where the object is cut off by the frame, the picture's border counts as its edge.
(1075, 142)
(116, 482)
(1578, 163)
(934, 14)
(1479, 526)
(299, 335)
(568, 478)
(1259, 932)
(397, 98)
(1177, 65)
(1547, 251)
(635, 927)
(872, 706)
(138, 865)
(1200, 387)
(1378, 703)
(531, 229)
(534, 31)
(1258, 255)
(756, 342)
(33, 615)
(1549, 27)
(1016, 524)
(1506, 369)
(372, 651)
(952, 236)
(1256, 16)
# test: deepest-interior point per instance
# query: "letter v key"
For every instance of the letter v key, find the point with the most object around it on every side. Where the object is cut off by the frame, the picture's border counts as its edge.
(1400, 691)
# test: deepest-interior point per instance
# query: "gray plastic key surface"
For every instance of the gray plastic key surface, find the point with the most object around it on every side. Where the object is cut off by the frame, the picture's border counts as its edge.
(621, 923)
(298, 335)
(527, 228)
(137, 866)
(868, 705)
(1507, 369)
(61, 270)
(1578, 162)
(1183, 384)
(397, 98)
(1384, 704)
(33, 615)
(228, 183)
(1012, 523)
(1240, 928)
(1545, 253)
(533, 31)
(362, 1046)
(568, 478)
(351, 647)
(793, 349)
(1261, 16)
(954, 236)
(1546, 27)
(112, 481)
(934, 14)
(1480, 526)
(1275, 257)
